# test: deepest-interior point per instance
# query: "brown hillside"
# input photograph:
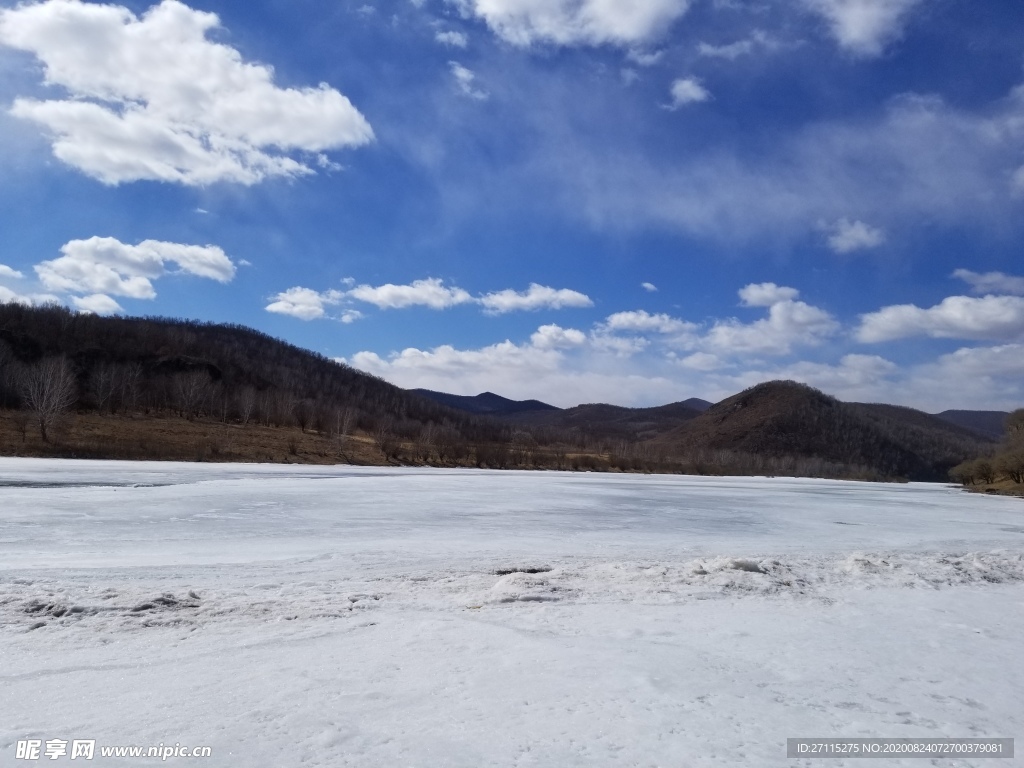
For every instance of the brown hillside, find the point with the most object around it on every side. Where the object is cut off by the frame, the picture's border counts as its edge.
(610, 421)
(783, 418)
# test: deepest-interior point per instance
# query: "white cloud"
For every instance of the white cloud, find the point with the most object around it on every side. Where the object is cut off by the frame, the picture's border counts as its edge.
(10, 273)
(687, 90)
(7, 296)
(350, 316)
(645, 58)
(649, 287)
(97, 303)
(426, 293)
(151, 97)
(766, 294)
(730, 51)
(988, 318)
(556, 337)
(639, 321)
(452, 38)
(789, 324)
(864, 27)
(989, 377)
(991, 282)
(535, 297)
(305, 303)
(105, 265)
(702, 361)
(464, 79)
(577, 22)
(847, 236)
(977, 363)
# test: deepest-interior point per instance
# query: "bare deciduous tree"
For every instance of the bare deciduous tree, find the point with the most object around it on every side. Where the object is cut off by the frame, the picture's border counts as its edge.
(103, 386)
(191, 391)
(246, 404)
(385, 439)
(49, 389)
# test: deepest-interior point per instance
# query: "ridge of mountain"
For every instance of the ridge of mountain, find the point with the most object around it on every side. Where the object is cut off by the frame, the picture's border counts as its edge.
(485, 403)
(987, 423)
(784, 418)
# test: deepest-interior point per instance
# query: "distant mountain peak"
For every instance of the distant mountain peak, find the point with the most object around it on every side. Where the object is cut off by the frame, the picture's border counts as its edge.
(486, 403)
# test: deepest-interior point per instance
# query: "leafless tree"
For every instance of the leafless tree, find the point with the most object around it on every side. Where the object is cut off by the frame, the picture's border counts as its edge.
(49, 389)
(303, 412)
(246, 403)
(385, 438)
(103, 386)
(129, 380)
(191, 391)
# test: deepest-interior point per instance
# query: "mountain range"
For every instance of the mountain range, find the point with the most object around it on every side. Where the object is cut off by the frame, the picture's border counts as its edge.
(144, 374)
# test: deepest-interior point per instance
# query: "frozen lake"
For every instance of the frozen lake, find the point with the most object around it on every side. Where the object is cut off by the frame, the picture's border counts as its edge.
(386, 617)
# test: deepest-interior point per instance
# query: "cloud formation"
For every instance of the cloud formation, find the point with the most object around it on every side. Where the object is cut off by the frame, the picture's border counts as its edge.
(988, 318)
(452, 38)
(533, 298)
(152, 97)
(766, 294)
(687, 90)
(104, 266)
(97, 304)
(8, 296)
(991, 282)
(916, 157)
(431, 292)
(465, 79)
(848, 236)
(305, 303)
(789, 324)
(576, 22)
(864, 27)
(640, 321)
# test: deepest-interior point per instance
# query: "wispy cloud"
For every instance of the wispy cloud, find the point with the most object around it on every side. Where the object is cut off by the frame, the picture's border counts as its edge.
(452, 38)
(991, 282)
(465, 79)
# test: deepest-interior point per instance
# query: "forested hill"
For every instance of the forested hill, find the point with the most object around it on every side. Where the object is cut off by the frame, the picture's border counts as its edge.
(152, 365)
(787, 419)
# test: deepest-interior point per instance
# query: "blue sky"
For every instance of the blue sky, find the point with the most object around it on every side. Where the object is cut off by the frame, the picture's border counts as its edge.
(628, 201)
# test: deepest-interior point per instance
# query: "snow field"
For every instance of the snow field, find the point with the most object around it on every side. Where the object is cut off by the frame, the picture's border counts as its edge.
(327, 616)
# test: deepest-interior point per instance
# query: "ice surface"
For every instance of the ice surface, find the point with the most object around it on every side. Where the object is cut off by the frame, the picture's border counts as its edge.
(405, 617)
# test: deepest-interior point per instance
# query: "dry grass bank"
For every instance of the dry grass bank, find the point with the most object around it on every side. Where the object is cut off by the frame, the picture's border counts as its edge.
(91, 436)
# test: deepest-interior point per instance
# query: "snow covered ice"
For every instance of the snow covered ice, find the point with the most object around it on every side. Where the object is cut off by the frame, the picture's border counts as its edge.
(409, 617)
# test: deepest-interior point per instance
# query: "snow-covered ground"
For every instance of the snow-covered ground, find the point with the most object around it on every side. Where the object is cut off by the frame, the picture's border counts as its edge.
(339, 616)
